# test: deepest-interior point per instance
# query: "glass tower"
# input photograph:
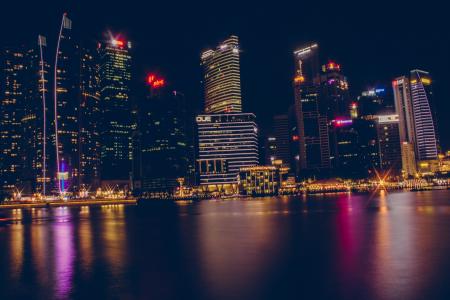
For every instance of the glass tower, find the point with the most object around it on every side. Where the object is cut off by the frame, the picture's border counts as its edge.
(222, 81)
(117, 123)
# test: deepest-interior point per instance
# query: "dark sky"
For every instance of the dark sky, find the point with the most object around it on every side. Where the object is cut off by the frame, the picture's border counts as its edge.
(374, 41)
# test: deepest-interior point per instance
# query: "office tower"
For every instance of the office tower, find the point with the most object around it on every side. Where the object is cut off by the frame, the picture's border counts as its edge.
(66, 95)
(311, 129)
(117, 123)
(89, 120)
(374, 101)
(417, 119)
(334, 97)
(226, 143)
(164, 153)
(14, 94)
(270, 149)
(222, 82)
(369, 156)
(281, 134)
(346, 158)
(424, 116)
(389, 143)
(36, 123)
(403, 107)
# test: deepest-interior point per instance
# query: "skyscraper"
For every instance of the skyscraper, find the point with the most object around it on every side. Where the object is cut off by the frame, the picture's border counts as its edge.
(35, 123)
(389, 143)
(334, 96)
(281, 135)
(403, 107)
(117, 123)
(66, 93)
(222, 82)
(311, 130)
(14, 94)
(417, 119)
(89, 119)
(425, 127)
(226, 143)
(164, 151)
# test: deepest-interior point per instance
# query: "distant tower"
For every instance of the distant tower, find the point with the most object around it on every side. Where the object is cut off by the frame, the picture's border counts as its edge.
(117, 123)
(425, 127)
(13, 95)
(89, 119)
(222, 78)
(66, 89)
(311, 132)
(417, 119)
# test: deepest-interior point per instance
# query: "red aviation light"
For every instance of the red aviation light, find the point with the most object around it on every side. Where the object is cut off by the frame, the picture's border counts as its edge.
(155, 82)
(333, 66)
(117, 43)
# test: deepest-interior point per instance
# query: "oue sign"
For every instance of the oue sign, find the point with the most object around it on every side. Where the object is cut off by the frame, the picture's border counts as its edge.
(203, 119)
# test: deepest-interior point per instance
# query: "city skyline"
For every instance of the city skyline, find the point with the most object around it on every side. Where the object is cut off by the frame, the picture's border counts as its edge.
(360, 51)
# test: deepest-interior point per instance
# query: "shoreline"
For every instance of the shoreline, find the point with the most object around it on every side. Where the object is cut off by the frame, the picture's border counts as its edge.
(68, 203)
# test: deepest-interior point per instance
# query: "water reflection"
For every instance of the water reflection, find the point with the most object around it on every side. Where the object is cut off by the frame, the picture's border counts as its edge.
(343, 246)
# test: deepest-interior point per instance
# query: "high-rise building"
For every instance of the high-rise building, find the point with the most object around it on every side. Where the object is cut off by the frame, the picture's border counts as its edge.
(222, 82)
(14, 94)
(417, 119)
(311, 131)
(117, 122)
(281, 135)
(424, 115)
(163, 152)
(403, 107)
(36, 123)
(89, 120)
(226, 143)
(334, 97)
(389, 144)
(66, 87)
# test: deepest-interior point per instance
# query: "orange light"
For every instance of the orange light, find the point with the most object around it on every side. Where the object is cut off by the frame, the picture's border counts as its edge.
(158, 83)
(299, 79)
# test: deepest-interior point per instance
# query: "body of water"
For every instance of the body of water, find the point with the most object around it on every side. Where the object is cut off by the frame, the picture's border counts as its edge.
(384, 246)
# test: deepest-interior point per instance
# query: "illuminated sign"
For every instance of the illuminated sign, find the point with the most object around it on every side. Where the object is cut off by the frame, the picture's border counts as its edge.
(387, 119)
(203, 119)
(340, 123)
(295, 138)
(155, 82)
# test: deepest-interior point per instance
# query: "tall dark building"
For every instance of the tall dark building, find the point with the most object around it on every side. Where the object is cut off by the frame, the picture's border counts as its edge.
(311, 131)
(14, 94)
(67, 102)
(281, 134)
(117, 123)
(36, 123)
(164, 151)
(89, 120)
(389, 144)
(334, 94)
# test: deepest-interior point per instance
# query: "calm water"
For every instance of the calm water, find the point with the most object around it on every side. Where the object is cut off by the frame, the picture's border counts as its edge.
(389, 246)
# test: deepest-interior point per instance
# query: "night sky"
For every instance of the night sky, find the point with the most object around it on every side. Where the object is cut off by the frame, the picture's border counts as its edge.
(374, 41)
